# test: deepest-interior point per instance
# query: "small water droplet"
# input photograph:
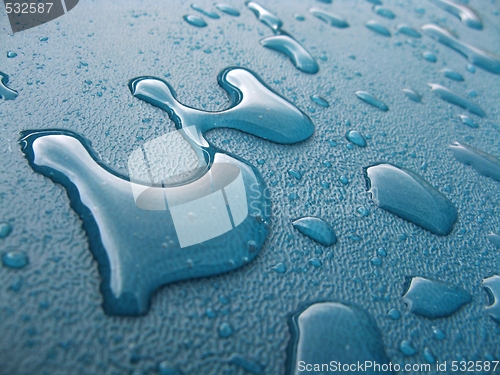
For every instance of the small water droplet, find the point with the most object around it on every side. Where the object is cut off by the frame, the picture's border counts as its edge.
(294, 50)
(212, 15)
(376, 261)
(228, 9)
(251, 365)
(15, 259)
(279, 268)
(195, 21)
(464, 13)
(378, 28)
(44, 38)
(167, 368)
(225, 330)
(6, 92)
(11, 54)
(438, 334)
(429, 56)
(265, 16)
(429, 356)
(315, 262)
(384, 12)
(329, 18)
(476, 56)
(5, 229)
(344, 180)
(319, 100)
(434, 299)
(316, 229)
(408, 31)
(394, 314)
(412, 95)
(485, 164)
(453, 98)
(372, 100)
(451, 74)
(468, 121)
(494, 238)
(407, 348)
(492, 287)
(295, 173)
(299, 17)
(363, 211)
(356, 138)
(407, 195)
(471, 68)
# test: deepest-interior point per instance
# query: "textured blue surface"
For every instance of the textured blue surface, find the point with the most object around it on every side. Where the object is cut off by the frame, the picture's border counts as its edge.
(51, 316)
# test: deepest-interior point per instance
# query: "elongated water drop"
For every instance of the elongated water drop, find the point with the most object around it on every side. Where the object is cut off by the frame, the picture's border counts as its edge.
(317, 229)
(412, 95)
(492, 286)
(408, 31)
(409, 196)
(429, 56)
(6, 92)
(195, 21)
(356, 138)
(294, 50)
(485, 164)
(5, 229)
(466, 15)
(468, 121)
(451, 74)
(320, 101)
(482, 59)
(212, 15)
(378, 28)
(384, 12)
(329, 18)
(265, 16)
(228, 9)
(372, 100)
(446, 94)
(15, 259)
(248, 364)
(327, 330)
(434, 299)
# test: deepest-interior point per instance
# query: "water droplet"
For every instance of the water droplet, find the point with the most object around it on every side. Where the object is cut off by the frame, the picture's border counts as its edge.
(412, 95)
(492, 287)
(44, 38)
(384, 12)
(195, 21)
(319, 100)
(408, 31)
(407, 348)
(471, 68)
(370, 99)
(429, 56)
(202, 205)
(295, 173)
(363, 211)
(228, 9)
(5, 229)
(294, 50)
(356, 138)
(327, 330)
(316, 229)
(453, 98)
(376, 261)
(465, 14)
(344, 180)
(394, 314)
(429, 356)
(299, 17)
(325, 1)
(407, 195)
(485, 164)
(6, 92)
(225, 330)
(494, 238)
(434, 299)
(476, 56)
(167, 368)
(438, 334)
(11, 54)
(15, 259)
(212, 15)
(279, 268)
(468, 121)
(378, 28)
(315, 262)
(265, 16)
(329, 18)
(451, 74)
(251, 365)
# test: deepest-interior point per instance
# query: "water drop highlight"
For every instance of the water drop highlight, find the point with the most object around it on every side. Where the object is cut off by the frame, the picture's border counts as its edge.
(372, 100)
(316, 229)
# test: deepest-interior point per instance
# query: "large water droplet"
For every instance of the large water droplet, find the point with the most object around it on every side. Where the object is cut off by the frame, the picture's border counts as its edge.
(329, 18)
(466, 15)
(195, 21)
(265, 16)
(331, 331)
(378, 28)
(15, 259)
(434, 299)
(485, 164)
(228, 9)
(384, 12)
(451, 74)
(6, 92)
(294, 50)
(250, 365)
(212, 15)
(407, 195)
(356, 138)
(408, 31)
(446, 94)
(492, 286)
(468, 121)
(476, 56)
(207, 214)
(5, 229)
(370, 99)
(412, 95)
(316, 229)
